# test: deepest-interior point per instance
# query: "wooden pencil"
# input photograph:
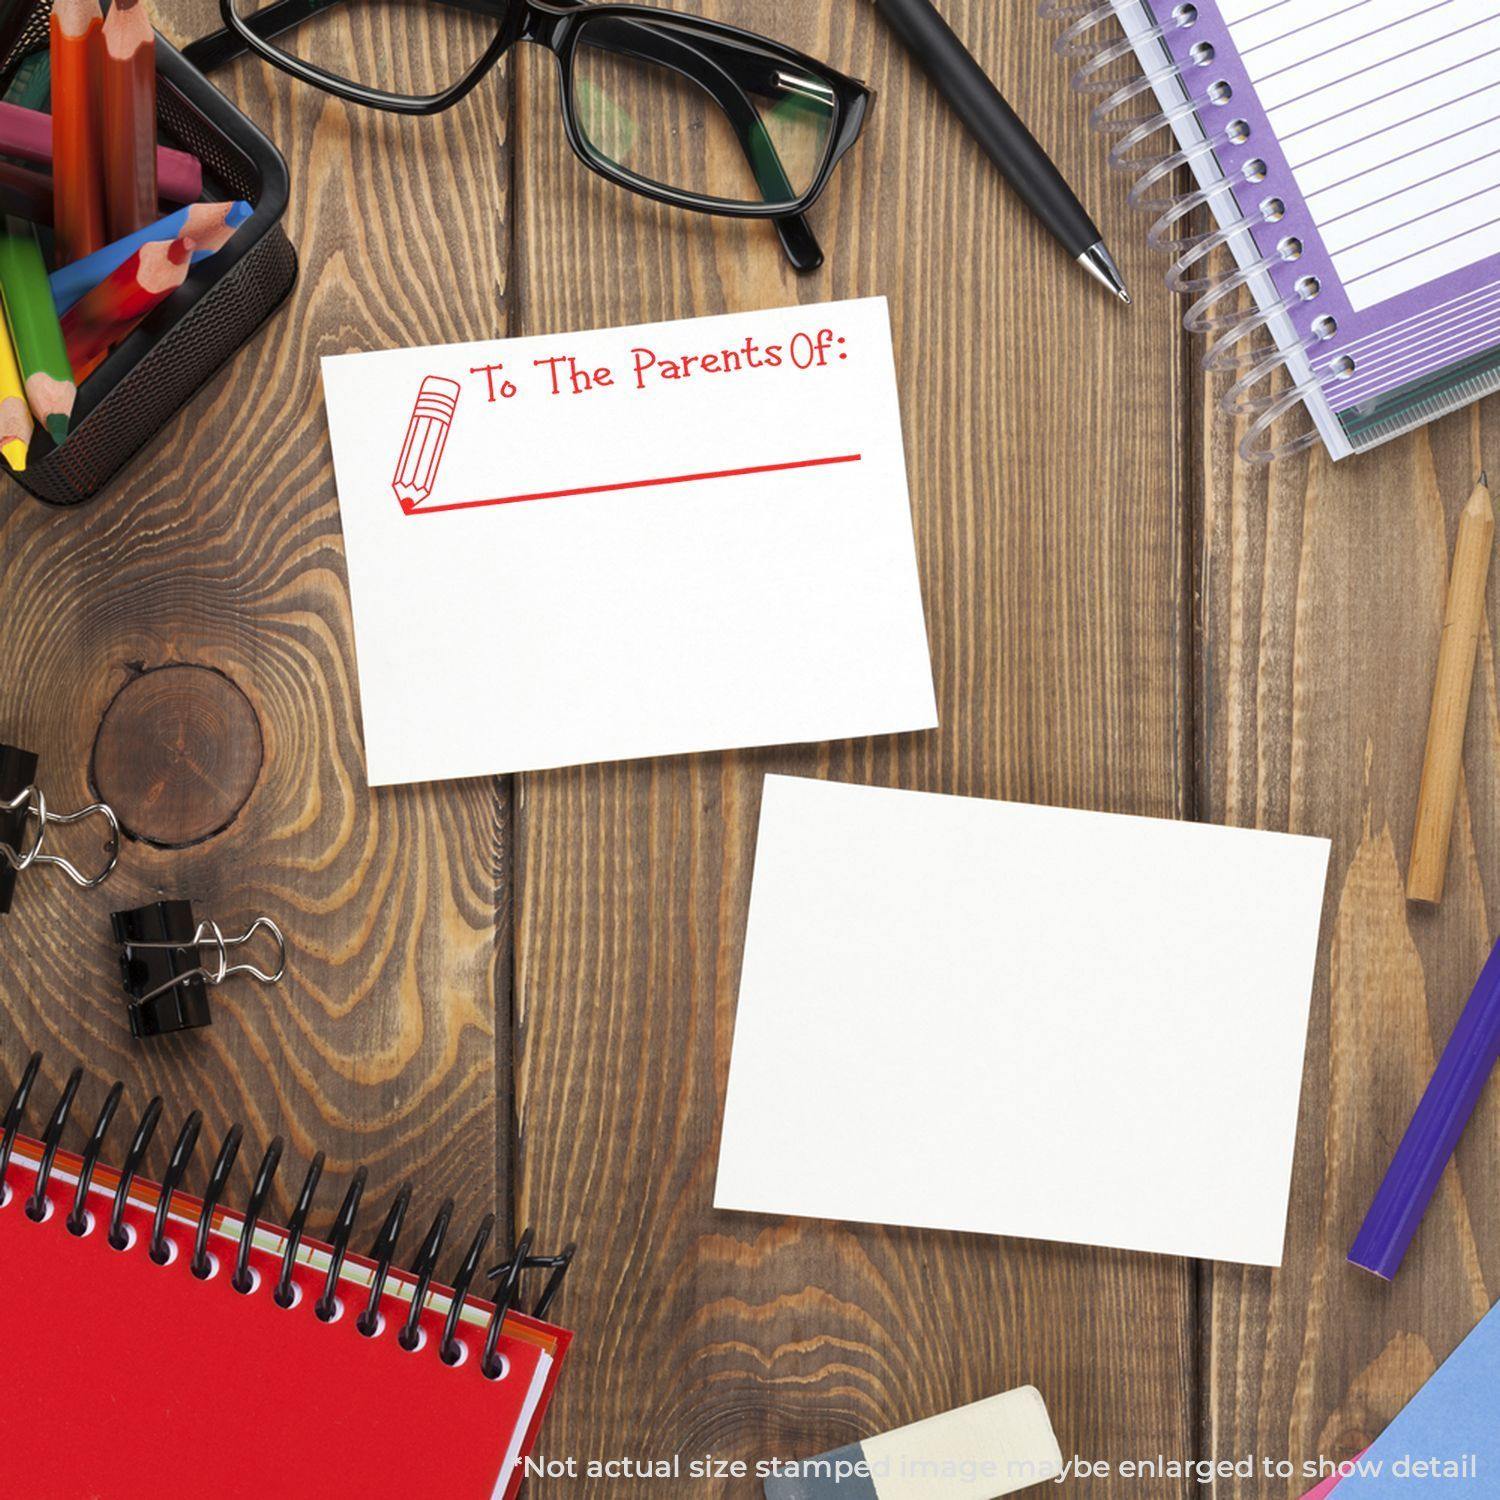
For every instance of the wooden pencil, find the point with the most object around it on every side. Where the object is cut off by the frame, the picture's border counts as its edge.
(210, 226)
(1463, 619)
(96, 323)
(79, 183)
(34, 328)
(25, 193)
(129, 118)
(16, 425)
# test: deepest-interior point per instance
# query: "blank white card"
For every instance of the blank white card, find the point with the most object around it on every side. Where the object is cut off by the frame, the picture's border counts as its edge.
(984, 1016)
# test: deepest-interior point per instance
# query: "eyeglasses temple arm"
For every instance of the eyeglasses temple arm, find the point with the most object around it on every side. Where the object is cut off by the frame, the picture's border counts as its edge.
(797, 238)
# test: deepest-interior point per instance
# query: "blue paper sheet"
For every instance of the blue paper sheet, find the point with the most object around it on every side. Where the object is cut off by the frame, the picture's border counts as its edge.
(1447, 1439)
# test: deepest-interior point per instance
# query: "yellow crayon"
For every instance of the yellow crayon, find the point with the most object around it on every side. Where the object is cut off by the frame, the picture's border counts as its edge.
(16, 424)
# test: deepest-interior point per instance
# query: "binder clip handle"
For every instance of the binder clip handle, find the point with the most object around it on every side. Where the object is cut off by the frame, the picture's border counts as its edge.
(170, 960)
(31, 805)
(210, 934)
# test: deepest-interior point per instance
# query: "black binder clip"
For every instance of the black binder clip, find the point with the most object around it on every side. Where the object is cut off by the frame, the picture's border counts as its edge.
(161, 958)
(25, 820)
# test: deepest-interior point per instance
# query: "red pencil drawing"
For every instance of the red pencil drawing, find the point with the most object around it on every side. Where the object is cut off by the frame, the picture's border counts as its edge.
(426, 437)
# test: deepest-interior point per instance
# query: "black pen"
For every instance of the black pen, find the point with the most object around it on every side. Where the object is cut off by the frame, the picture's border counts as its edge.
(998, 129)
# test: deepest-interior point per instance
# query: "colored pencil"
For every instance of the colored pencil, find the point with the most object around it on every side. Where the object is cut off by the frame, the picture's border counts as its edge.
(76, 122)
(1463, 619)
(94, 325)
(26, 134)
(25, 193)
(34, 329)
(1435, 1130)
(209, 225)
(129, 118)
(16, 425)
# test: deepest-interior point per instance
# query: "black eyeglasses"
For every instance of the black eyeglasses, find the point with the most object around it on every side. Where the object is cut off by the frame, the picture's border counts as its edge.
(679, 109)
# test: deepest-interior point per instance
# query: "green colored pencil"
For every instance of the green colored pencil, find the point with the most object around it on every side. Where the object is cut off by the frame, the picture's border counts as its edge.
(34, 328)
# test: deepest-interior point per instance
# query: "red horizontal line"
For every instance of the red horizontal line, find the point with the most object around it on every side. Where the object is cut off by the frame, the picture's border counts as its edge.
(635, 484)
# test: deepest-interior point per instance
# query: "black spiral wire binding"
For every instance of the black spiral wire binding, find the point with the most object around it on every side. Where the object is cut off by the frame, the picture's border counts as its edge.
(77, 1222)
(118, 1239)
(327, 1306)
(160, 1249)
(383, 1252)
(12, 1123)
(286, 1292)
(505, 1298)
(410, 1337)
(450, 1351)
(202, 1264)
(36, 1207)
(243, 1281)
(1215, 311)
(558, 1265)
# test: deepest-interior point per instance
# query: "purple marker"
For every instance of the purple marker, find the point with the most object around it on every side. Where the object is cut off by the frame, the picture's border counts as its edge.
(1432, 1137)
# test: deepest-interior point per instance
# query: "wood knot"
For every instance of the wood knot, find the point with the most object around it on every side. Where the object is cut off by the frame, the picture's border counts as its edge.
(178, 752)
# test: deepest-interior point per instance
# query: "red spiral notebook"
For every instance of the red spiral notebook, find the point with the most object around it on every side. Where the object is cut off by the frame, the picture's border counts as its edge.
(128, 1379)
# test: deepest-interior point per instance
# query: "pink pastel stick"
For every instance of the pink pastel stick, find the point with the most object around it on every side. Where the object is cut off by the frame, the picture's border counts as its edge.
(26, 134)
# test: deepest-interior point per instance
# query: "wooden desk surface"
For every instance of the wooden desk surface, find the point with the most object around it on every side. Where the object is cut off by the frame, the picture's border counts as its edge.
(521, 991)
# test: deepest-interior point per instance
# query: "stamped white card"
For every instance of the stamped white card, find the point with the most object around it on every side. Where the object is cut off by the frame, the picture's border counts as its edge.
(642, 541)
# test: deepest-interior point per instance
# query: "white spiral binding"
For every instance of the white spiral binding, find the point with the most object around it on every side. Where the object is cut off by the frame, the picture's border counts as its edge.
(1228, 328)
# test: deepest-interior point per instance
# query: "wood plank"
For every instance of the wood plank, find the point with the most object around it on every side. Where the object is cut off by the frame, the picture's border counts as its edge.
(222, 551)
(1323, 590)
(1049, 497)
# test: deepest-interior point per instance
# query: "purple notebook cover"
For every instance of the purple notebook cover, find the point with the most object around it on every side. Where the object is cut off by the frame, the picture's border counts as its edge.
(1415, 334)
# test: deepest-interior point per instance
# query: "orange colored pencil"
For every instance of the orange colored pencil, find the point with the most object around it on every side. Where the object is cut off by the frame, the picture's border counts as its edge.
(97, 322)
(78, 175)
(128, 88)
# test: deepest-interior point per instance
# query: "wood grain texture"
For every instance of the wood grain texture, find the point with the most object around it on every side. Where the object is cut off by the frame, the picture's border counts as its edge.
(222, 550)
(523, 993)
(1323, 592)
(1048, 494)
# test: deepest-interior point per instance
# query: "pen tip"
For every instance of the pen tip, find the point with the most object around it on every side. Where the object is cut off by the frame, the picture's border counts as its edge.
(1099, 263)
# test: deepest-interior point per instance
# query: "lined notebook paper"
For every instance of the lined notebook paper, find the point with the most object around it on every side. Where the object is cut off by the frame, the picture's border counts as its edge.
(1389, 113)
(1355, 149)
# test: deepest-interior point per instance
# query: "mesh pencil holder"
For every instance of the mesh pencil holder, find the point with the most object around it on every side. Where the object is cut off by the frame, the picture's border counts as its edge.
(165, 362)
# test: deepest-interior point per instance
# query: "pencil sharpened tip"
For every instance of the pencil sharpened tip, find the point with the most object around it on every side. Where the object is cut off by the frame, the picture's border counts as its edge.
(57, 428)
(1484, 478)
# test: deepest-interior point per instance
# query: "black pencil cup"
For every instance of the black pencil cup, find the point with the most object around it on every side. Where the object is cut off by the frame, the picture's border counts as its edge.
(167, 361)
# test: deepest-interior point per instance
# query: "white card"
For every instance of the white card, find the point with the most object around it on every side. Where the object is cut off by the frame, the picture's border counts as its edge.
(1016, 1020)
(644, 541)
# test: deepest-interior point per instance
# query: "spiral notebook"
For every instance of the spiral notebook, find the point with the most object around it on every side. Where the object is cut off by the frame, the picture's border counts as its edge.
(133, 1378)
(1349, 151)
